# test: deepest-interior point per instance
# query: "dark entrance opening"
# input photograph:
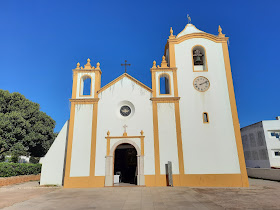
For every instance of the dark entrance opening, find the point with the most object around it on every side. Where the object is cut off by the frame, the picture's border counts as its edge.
(126, 163)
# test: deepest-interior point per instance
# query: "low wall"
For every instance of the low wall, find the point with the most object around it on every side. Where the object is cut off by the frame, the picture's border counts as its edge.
(264, 173)
(18, 179)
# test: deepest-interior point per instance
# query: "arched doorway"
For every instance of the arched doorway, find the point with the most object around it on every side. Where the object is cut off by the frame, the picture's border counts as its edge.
(125, 165)
(109, 165)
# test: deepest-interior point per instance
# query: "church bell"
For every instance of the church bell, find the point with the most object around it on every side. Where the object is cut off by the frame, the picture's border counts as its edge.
(198, 60)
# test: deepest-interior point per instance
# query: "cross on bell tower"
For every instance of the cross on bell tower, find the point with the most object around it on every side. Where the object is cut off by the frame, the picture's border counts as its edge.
(125, 64)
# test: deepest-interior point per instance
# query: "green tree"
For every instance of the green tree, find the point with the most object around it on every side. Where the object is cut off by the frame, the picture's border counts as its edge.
(24, 129)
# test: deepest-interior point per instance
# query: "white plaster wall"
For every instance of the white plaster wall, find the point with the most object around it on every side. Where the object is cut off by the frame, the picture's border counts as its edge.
(53, 162)
(207, 148)
(158, 73)
(110, 119)
(249, 147)
(272, 142)
(81, 146)
(168, 150)
(79, 86)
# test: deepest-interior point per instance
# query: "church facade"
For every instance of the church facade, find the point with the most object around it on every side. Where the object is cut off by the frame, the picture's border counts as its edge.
(188, 117)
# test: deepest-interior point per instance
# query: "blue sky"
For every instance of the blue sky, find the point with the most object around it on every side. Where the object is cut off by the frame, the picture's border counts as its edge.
(41, 42)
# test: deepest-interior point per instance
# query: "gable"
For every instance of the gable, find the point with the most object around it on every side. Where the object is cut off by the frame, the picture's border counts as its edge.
(125, 75)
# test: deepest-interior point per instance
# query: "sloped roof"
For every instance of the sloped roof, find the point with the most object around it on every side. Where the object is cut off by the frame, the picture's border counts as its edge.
(121, 77)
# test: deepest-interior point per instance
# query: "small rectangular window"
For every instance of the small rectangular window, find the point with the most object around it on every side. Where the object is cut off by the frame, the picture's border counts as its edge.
(277, 153)
(205, 117)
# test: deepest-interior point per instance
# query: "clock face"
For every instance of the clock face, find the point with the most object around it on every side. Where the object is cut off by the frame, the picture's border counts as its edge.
(125, 111)
(201, 84)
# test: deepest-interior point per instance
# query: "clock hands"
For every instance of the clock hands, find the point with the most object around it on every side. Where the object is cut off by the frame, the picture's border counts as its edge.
(203, 83)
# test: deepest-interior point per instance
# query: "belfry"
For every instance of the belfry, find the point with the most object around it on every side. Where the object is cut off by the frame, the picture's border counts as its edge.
(126, 132)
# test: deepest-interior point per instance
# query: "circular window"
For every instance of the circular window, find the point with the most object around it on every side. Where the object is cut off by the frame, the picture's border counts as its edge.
(125, 111)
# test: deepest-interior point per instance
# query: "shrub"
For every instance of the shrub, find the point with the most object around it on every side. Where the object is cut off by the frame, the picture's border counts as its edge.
(16, 169)
(14, 159)
(34, 160)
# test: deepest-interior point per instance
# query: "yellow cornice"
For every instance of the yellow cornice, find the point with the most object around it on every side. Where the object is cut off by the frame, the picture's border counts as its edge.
(84, 100)
(121, 77)
(211, 37)
(86, 70)
(165, 99)
(163, 69)
(123, 137)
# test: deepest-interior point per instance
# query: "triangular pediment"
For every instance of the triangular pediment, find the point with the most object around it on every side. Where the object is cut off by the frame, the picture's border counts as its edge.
(125, 75)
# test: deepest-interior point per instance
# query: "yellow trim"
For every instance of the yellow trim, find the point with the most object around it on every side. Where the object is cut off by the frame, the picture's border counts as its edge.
(203, 117)
(196, 180)
(169, 83)
(165, 99)
(96, 83)
(86, 70)
(93, 140)
(156, 142)
(74, 87)
(81, 79)
(85, 182)
(84, 100)
(121, 77)
(202, 90)
(236, 126)
(198, 35)
(123, 137)
(179, 139)
(69, 146)
(175, 83)
(154, 84)
(108, 146)
(206, 70)
(156, 69)
(172, 61)
(142, 145)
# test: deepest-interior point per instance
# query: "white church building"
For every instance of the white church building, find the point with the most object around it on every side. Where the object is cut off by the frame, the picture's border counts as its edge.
(129, 130)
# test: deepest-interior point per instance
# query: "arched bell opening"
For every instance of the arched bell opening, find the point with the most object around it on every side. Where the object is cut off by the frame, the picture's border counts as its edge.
(199, 58)
(85, 89)
(125, 165)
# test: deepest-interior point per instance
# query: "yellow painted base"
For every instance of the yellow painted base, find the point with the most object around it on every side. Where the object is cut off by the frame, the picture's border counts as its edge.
(84, 182)
(198, 180)
(187, 180)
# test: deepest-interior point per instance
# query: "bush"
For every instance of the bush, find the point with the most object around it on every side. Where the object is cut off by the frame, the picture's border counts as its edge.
(16, 169)
(14, 159)
(34, 160)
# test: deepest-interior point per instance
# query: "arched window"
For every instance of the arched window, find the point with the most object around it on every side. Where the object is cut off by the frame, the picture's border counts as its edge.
(86, 86)
(205, 117)
(199, 58)
(164, 84)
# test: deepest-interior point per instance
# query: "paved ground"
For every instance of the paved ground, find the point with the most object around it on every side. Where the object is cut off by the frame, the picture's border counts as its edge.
(260, 195)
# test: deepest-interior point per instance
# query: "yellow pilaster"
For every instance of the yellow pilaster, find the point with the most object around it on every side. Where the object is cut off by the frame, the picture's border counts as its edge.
(236, 126)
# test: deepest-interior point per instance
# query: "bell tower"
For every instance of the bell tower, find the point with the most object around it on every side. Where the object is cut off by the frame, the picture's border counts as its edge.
(166, 121)
(81, 146)
(80, 75)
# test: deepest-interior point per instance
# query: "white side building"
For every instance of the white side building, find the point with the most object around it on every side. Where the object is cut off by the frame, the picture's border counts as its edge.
(261, 144)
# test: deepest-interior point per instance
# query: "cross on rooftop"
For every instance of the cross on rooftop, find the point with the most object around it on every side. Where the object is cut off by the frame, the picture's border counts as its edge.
(125, 64)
